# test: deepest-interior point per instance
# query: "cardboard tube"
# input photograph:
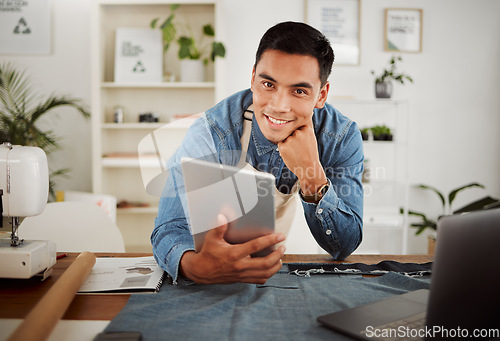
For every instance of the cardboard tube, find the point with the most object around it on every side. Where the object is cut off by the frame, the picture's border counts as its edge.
(49, 310)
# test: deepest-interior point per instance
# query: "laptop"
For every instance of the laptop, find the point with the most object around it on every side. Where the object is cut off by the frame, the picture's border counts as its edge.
(244, 196)
(464, 294)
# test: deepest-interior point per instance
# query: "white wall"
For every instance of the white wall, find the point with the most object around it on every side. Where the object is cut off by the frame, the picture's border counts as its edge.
(455, 115)
(66, 71)
(455, 102)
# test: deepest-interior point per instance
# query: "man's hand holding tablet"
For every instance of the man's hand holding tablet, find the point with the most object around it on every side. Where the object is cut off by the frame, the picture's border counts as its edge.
(231, 215)
(221, 262)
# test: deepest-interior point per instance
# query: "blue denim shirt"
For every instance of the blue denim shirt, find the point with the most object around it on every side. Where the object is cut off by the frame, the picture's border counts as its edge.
(335, 222)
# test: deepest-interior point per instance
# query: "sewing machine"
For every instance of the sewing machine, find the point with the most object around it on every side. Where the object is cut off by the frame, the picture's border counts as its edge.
(24, 187)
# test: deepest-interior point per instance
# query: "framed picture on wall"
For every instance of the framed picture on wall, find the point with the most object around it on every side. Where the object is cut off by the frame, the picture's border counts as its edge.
(403, 30)
(138, 55)
(25, 27)
(339, 21)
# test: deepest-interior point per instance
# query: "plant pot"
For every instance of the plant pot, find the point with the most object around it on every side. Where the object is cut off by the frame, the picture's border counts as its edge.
(431, 245)
(364, 136)
(192, 70)
(382, 137)
(365, 177)
(383, 89)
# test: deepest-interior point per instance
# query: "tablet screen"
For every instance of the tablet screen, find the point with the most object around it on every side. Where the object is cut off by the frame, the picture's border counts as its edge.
(244, 196)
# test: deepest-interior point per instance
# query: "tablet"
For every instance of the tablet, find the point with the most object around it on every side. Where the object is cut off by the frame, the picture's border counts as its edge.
(245, 197)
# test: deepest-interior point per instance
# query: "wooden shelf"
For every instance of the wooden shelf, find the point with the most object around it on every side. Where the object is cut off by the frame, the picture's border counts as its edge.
(138, 210)
(155, 2)
(179, 124)
(367, 101)
(166, 85)
(129, 162)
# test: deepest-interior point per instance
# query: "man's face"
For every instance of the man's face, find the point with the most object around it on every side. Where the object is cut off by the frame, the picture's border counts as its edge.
(286, 88)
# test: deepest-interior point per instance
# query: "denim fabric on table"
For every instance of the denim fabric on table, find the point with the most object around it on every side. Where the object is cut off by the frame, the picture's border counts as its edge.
(285, 308)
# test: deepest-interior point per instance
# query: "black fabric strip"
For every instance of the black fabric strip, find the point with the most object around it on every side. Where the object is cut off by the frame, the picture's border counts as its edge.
(408, 269)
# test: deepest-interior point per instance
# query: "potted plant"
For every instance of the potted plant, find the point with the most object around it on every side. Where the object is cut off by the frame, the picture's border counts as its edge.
(167, 27)
(383, 84)
(365, 133)
(20, 111)
(381, 133)
(195, 50)
(426, 223)
(194, 54)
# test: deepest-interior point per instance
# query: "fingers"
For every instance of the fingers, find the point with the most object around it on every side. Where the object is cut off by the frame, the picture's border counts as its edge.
(220, 266)
(303, 132)
(258, 244)
(221, 228)
(267, 262)
(221, 262)
(256, 270)
(260, 267)
(221, 220)
(260, 271)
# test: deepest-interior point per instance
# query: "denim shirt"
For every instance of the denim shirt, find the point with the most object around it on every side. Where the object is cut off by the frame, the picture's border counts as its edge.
(335, 222)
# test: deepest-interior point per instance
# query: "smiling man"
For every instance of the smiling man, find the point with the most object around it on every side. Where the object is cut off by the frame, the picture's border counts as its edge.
(283, 126)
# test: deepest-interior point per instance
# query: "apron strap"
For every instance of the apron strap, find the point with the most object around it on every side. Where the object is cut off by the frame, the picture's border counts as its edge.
(284, 204)
(245, 137)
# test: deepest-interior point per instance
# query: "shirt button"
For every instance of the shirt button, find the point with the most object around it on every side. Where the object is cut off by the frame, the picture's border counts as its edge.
(328, 232)
(321, 211)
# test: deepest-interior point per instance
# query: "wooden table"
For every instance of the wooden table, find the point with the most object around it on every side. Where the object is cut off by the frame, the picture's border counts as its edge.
(19, 296)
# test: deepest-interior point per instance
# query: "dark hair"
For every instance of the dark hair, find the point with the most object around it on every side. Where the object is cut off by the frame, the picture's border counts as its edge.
(299, 38)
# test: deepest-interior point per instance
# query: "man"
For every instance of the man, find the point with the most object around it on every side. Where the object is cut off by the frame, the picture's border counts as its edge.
(281, 126)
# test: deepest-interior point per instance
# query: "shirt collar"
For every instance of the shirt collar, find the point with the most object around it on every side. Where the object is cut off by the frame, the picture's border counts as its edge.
(262, 144)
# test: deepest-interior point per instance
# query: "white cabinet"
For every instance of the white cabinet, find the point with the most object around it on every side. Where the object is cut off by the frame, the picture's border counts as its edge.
(385, 229)
(115, 160)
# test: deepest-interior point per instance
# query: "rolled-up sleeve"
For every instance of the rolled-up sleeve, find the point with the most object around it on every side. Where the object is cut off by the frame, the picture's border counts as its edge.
(336, 221)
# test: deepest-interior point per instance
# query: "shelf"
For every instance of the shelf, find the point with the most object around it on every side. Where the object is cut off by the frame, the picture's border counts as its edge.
(164, 85)
(117, 168)
(383, 220)
(138, 126)
(155, 2)
(382, 182)
(373, 101)
(186, 123)
(138, 210)
(129, 162)
(384, 142)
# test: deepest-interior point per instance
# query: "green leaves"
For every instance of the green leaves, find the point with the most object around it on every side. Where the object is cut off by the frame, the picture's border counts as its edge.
(208, 30)
(424, 224)
(190, 46)
(21, 108)
(380, 129)
(438, 193)
(153, 23)
(454, 193)
(169, 31)
(187, 48)
(390, 72)
(218, 50)
(429, 223)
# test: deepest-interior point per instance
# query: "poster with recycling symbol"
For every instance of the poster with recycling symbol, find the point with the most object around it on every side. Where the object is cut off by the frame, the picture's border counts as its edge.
(25, 26)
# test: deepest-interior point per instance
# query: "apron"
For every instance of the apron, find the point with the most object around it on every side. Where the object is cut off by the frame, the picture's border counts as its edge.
(284, 204)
